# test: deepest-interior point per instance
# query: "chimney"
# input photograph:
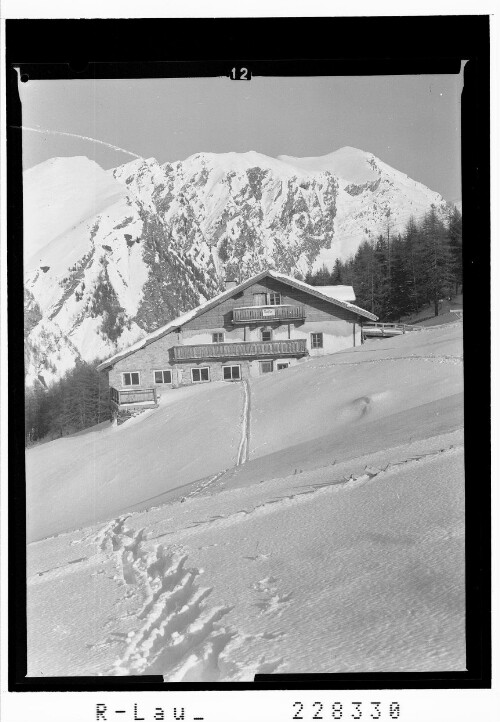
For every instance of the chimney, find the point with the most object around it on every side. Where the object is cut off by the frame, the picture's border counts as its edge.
(230, 284)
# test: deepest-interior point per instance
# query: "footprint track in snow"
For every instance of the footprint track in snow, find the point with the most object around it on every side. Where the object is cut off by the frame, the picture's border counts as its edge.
(264, 585)
(271, 601)
(179, 636)
(274, 603)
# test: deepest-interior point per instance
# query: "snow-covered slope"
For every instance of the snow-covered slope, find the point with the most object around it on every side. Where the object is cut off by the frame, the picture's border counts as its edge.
(110, 255)
(370, 390)
(58, 195)
(337, 546)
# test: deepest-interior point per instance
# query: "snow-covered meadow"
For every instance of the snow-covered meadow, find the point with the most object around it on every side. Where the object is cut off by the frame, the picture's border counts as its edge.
(310, 522)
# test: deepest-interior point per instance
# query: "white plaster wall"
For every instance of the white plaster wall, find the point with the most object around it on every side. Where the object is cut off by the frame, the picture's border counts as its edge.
(337, 335)
(192, 338)
(280, 332)
(254, 368)
(255, 365)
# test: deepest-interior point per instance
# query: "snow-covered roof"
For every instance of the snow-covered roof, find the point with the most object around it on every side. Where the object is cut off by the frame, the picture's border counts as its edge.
(317, 291)
(181, 320)
(164, 330)
(341, 293)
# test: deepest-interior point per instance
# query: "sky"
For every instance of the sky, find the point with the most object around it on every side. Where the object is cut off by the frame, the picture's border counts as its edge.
(410, 122)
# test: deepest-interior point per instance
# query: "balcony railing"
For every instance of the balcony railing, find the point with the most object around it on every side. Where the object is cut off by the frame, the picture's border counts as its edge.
(133, 396)
(248, 349)
(387, 329)
(257, 314)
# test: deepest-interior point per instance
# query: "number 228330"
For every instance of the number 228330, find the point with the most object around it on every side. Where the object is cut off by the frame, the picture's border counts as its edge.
(346, 711)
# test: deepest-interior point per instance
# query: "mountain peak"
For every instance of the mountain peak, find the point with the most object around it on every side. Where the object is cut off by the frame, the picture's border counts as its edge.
(350, 164)
(60, 193)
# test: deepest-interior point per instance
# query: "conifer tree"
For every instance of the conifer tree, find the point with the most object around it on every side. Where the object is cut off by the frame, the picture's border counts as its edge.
(401, 281)
(382, 276)
(336, 275)
(322, 277)
(436, 259)
(411, 242)
(455, 242)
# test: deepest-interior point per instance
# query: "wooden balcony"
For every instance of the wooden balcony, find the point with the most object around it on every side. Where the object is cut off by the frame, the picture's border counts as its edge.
(248, 349)
(259, 314)
(133, 397)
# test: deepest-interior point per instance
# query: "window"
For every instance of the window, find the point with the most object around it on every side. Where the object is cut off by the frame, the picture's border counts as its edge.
(266, 367)
(163, 377)
(131, 378)
(275, 299)
(259, 299)
(200, 374)
(316, 340)
(231, 373)
(217, 338)
(266, 334)
(282, 365)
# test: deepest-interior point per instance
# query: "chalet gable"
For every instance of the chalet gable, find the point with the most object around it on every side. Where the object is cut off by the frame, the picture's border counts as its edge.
(267, 282)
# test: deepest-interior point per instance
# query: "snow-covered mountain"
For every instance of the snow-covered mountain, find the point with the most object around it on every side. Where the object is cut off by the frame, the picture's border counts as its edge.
(110, 255)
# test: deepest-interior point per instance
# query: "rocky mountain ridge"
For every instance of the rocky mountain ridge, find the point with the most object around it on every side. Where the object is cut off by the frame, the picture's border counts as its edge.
(111, 255)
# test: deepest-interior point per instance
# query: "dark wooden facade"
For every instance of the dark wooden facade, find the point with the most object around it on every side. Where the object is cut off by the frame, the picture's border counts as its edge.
(314, 309)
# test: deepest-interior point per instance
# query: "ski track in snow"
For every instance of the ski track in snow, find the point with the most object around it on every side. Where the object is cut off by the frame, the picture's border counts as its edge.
(445, 359)
(244, 447)
(311, 489)
(202, 486)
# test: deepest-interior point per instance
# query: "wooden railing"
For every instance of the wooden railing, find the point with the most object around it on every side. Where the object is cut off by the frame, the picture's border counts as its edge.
(387, 329)
(252, 349)
(257, 314)
(132, 396)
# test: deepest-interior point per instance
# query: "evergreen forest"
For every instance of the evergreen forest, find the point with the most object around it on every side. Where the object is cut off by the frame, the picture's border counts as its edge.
(396, 276)
(79, 400)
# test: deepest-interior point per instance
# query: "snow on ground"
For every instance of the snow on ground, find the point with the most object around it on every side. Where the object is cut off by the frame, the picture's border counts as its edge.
(86, 478)
(347, 556)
